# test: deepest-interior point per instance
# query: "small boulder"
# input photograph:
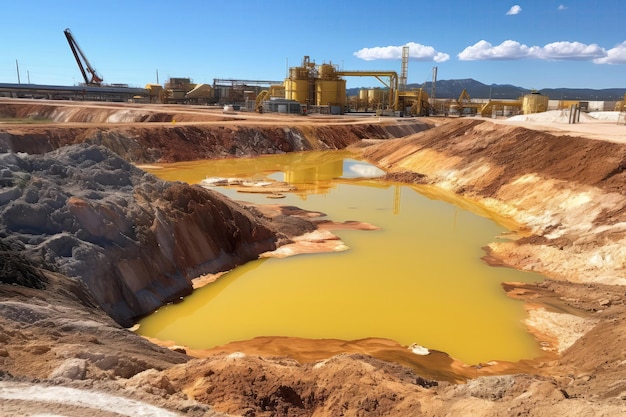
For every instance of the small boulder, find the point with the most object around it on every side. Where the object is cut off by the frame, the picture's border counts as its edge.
(71, 369)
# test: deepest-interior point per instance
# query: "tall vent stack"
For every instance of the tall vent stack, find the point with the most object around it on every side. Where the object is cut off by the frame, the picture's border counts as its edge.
(405, 68)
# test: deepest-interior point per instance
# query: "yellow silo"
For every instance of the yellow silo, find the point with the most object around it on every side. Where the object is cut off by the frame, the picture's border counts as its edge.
(299, 73)
(375, 96)
(362, 99)
(297, 90)
(327, 72)
(534, 103)
(297, 85)
(330, 92)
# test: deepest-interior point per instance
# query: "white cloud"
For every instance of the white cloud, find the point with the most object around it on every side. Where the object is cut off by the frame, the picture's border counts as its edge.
(514, 10)
(615, 55)
(417, 52)
(507, 50)
(570, 51)
(558, 51)
(561, 7)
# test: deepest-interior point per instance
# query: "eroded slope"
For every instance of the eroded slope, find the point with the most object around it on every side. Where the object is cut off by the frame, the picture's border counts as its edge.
(569, 192)
(134, 240)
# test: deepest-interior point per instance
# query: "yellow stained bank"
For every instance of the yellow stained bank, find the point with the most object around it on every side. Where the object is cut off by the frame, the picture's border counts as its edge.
(420, 279)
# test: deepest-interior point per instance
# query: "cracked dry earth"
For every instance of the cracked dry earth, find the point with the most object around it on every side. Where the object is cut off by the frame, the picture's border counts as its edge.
(563, 194)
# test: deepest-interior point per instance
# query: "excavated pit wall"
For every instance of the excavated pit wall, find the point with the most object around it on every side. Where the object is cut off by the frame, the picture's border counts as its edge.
(568, 192)
(141, 142)
(173, 143)
(87, 112)
(134, 240)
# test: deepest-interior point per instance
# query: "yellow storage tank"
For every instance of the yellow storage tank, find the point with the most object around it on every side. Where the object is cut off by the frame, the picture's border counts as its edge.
(375, 95)
(297, 90)
(299, 73)
(534, 103)
(330, 93)
(327, 72)
(362, 99)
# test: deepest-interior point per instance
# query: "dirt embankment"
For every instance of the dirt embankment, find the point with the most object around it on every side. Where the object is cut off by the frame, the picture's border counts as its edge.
(62, 355)
(134, 240)
(191, 135)
(566, 192)
(173, 143)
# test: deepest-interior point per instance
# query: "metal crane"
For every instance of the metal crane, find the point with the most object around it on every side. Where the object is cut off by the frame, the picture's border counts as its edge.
(83, 64)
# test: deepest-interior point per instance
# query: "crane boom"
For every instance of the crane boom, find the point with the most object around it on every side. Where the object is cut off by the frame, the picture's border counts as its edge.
(83, 64)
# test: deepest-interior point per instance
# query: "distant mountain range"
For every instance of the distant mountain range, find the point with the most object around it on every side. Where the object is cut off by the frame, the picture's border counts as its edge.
(476, 89)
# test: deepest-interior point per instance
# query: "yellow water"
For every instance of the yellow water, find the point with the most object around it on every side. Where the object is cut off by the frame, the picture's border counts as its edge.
(418, 280)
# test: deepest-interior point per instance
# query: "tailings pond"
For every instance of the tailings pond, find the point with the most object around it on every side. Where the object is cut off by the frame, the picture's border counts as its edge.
(419, 279)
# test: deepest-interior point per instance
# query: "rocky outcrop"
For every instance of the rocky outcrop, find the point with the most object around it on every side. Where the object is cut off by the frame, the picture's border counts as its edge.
(134, 240)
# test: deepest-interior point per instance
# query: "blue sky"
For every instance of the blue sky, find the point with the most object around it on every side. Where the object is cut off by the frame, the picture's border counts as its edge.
(531, 44)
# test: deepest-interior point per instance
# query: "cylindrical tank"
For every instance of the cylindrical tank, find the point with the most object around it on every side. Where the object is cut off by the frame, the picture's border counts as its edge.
(330, 93)
(298, 73)
(327, 72)
(362, 99)
(534, 103)
(375, 95)
(297, 90)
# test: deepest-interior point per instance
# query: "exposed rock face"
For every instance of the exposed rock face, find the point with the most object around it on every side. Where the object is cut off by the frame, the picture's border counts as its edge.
(172, 143)
(158, 142)
(135, 241)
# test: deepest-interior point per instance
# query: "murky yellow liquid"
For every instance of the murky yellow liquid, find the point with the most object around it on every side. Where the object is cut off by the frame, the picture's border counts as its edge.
(418, 280)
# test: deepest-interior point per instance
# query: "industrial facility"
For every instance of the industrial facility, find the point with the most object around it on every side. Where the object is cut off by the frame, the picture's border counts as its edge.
(308, 88)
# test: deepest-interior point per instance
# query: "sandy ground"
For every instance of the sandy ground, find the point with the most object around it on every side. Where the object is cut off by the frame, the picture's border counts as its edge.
(556, 122)
(579, 314)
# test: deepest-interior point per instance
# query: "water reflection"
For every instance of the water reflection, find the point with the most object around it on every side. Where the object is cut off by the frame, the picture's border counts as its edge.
(418, 280)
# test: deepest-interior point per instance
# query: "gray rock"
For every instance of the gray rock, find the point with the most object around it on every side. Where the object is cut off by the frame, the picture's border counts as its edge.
(134, 240)
(71, 369)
